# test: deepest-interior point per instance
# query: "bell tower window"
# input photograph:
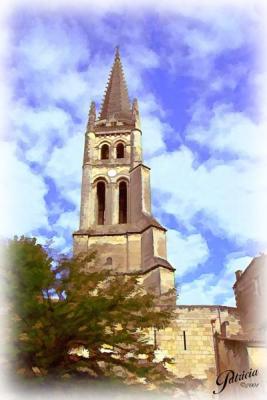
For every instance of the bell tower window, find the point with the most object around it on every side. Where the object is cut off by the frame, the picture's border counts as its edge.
(122, 203)
(101, 202)
(105, 152)
(120, 150)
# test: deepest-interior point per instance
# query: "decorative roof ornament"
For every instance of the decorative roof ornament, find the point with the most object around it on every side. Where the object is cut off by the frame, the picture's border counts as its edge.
(135, 113)
(116, 104)
(117, 52)
(92, 117)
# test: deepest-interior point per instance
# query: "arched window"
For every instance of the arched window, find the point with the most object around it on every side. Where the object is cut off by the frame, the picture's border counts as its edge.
(105, 152)
(101, 202)
(122, 203)
(109, 261)
(120, 150)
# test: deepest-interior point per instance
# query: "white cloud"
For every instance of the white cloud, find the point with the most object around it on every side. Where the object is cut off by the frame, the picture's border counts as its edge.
(65, 168)
(47, 46)
(51, 68)
(198, 47)
(232, 132)
(230, 196)
(49, 71)
(225, 30)
(38, 128)
(59, 244)
(258, 81)
(68, 220)
(197, 292)
(233, 264)
(70, 86)
(147, 58)
(43, 240)
(186, 253)
(208, 287)
(229, 301)
(153, 133)
(22, 207)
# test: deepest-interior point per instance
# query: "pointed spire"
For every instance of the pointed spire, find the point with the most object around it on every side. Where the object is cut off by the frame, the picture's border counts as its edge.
(116, 102)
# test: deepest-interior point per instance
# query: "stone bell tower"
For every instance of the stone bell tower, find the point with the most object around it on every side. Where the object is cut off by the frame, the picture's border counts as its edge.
(115, 216)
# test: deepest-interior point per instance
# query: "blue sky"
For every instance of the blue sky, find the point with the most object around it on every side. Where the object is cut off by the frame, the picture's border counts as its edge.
(198, 75)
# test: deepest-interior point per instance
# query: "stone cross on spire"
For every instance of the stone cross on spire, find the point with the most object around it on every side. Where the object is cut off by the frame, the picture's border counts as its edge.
(116, 102)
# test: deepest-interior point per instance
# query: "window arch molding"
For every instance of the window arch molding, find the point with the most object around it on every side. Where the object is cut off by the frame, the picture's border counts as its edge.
(122, 178)
(104, 141)
(100, 178)
(119, 141)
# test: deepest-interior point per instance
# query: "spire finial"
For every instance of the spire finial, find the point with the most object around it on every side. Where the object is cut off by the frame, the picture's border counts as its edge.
(117, 53)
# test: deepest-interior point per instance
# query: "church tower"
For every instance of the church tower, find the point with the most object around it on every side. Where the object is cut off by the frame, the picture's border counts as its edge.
(115, 215)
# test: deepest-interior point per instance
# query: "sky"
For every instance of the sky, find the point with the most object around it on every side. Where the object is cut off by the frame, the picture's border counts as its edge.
(199, 74)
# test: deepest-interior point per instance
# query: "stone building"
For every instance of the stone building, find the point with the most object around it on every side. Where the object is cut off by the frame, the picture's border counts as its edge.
(250, 294)
(115, 215)
(246, 348)
(116, 220)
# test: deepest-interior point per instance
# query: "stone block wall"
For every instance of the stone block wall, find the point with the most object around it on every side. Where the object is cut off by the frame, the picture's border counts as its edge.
(121, 252)
(189, 340)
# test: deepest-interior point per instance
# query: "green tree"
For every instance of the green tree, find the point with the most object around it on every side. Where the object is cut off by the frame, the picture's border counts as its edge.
(75, 320)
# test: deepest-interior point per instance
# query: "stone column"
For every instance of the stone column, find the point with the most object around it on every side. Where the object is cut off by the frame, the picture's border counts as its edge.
(108, 205)
(115, 203)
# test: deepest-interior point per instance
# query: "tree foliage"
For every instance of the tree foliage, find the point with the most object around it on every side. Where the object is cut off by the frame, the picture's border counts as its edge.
(73, 319)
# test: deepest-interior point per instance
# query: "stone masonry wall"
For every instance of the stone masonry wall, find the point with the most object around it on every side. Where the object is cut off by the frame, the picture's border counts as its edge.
(189, 340)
